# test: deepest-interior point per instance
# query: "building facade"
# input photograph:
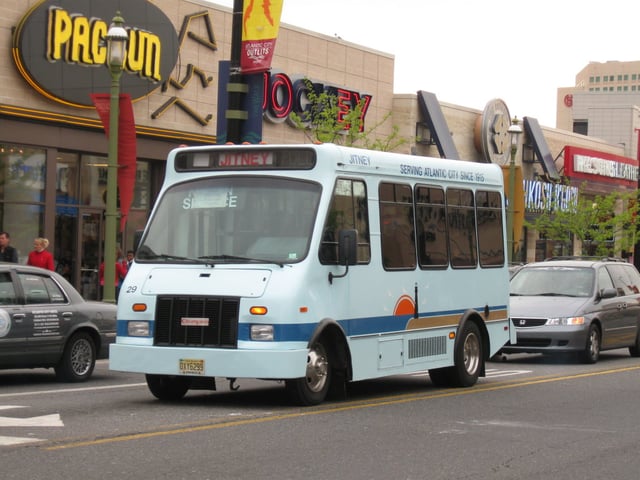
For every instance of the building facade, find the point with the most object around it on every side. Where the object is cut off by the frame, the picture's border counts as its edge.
(53, 146)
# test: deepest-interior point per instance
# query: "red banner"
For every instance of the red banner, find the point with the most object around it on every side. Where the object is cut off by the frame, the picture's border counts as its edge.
(260, 25)
(126, 147)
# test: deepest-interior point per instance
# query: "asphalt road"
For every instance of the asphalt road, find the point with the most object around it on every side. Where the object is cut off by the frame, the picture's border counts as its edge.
(532, 417)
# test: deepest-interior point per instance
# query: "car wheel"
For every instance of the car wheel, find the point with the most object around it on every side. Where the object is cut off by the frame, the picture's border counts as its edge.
(313, 387)
(167, 387)
(634, 350)
(78, 359)
(591, 352)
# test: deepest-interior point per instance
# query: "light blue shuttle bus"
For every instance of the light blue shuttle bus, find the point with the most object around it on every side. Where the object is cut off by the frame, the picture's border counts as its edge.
(316, 265)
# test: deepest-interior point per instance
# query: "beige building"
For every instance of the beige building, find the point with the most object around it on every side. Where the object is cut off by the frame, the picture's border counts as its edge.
(604, 103)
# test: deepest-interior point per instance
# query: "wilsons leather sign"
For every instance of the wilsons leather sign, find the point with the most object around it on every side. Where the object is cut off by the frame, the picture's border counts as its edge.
(59, 48)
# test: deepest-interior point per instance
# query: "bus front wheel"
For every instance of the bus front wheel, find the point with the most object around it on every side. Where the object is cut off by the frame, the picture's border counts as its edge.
(167, 387)
(313, 387)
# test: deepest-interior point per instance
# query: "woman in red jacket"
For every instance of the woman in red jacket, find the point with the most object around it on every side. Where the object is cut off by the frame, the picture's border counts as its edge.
(39, 256)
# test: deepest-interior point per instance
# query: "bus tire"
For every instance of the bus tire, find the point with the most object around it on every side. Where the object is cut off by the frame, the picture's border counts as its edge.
(167, 387)
(313, 387)
(467, 358)
(78, 359)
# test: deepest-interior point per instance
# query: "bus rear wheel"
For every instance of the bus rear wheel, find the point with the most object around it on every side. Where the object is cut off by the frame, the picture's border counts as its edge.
(313, 387)
(467, 361)
(167, 387)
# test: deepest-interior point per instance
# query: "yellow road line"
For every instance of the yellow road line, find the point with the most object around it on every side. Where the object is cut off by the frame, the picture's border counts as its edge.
(355, 405)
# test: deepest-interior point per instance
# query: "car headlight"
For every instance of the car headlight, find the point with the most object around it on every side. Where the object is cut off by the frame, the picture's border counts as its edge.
(138, 329)
(262, 332)
(565, 321)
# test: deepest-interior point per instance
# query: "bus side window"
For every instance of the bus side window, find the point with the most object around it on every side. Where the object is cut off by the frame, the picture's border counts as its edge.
(431, 227)
(489, 218)
(397, 231)
(461, 217)
(348, 211)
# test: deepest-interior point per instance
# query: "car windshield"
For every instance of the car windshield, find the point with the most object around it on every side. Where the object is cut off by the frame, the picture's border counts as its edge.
(232, 220)
(553, 281)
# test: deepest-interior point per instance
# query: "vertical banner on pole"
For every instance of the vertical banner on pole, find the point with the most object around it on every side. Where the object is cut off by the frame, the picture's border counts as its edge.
(260, 25)
(126, 147)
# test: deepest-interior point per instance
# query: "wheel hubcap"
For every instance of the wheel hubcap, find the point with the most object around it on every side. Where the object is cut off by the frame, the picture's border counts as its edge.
(471, 353)
(317, 368)
(81, 357)
(593, 344)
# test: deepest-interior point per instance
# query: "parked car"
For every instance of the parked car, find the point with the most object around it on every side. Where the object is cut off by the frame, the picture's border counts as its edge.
(576, 305)
(45, 322)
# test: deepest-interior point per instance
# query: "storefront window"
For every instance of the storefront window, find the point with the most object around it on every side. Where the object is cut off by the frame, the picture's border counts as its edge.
(93, 180)
(67, 184)
(22, 174)
(24, 223)
(22, 182)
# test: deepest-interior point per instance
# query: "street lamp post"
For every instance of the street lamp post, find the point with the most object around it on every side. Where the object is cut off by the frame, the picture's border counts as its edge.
(116, 50)
(514, 131)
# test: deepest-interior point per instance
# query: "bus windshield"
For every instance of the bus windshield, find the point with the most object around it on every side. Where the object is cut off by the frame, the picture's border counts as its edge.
(232, 220)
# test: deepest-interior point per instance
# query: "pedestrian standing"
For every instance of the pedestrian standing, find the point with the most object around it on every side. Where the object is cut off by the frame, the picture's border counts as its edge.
(7, 252)
(39, 256)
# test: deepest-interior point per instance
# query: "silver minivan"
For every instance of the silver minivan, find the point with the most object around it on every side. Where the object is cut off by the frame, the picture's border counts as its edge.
(576, 305)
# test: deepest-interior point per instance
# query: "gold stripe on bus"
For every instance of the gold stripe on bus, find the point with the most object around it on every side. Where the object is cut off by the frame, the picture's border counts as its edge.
(450, 320)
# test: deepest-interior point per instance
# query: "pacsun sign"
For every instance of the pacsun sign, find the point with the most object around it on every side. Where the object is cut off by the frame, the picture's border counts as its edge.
(59, 48)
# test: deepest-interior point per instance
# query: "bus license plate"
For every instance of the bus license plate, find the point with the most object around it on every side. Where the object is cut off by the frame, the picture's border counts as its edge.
(191, 366)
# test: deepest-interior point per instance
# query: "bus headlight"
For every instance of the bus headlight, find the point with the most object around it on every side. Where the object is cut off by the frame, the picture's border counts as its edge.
(262, 332)
(138, 329)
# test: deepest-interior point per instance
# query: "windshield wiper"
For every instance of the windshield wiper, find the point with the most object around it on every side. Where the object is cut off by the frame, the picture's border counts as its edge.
(167, 256)
(242, 259)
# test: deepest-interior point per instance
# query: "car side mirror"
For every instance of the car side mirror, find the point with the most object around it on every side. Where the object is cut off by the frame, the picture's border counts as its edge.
(347, 251)
(608, 293)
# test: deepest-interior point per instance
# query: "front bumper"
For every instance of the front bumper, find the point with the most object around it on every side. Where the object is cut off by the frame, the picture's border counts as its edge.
(548, 340)
(218, 362)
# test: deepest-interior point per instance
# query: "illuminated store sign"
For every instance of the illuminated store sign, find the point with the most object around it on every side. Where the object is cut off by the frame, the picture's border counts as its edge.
(283, 95)
(585, 164)
(58, 48)
(547, 197)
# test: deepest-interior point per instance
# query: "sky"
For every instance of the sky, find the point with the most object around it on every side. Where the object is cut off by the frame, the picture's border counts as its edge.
(469, 52)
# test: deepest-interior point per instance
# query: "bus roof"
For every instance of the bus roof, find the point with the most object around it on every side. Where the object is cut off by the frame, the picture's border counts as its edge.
(196, 161)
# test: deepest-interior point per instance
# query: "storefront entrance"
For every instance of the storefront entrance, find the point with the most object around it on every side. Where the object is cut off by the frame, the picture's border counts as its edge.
(90, 251)
(78, 248)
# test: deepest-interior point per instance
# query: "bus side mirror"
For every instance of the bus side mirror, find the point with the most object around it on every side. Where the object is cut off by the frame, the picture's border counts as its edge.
(347, 251)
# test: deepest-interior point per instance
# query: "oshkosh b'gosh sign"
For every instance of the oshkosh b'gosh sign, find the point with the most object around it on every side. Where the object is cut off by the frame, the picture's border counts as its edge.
(59, 48)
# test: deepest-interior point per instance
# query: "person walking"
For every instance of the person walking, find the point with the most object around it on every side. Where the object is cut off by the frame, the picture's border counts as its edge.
(7, 252)
(39, 256)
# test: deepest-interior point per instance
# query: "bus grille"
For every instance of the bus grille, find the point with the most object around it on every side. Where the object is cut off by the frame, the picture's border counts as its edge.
(215, 319)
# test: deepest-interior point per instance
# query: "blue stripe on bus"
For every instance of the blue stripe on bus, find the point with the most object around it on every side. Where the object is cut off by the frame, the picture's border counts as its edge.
(301, 332)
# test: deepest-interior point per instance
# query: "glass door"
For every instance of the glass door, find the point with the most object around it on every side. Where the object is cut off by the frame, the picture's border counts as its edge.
(90, 252)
